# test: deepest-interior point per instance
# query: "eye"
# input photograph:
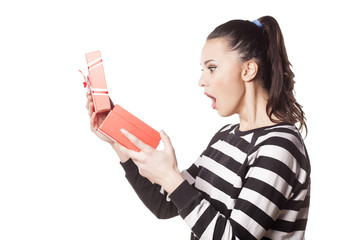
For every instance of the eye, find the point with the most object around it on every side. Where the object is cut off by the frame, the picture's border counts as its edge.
(212, 69)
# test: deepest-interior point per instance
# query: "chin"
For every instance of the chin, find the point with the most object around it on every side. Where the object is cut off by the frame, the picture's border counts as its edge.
(225, 113)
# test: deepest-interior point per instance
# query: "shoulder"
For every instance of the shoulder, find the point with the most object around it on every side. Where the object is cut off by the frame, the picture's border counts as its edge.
(282, 135)
(282, 142)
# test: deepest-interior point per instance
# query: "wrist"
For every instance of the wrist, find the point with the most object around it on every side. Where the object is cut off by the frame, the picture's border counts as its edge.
(123, 158)
(172, 181)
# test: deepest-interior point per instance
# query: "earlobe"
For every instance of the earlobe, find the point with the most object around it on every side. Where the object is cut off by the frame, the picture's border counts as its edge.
(249, 71)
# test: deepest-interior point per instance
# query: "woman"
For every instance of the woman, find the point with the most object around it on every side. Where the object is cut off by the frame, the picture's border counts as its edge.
(253, 179)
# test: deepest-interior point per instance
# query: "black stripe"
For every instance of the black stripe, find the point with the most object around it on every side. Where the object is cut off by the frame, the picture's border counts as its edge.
(220, 226)
(305, 186)
(219, 206)
(193, 170)
(278, 168)
(285, 130)
(287, 145)
(219, 135)
(240, 231)
(266, 190)
(189, 208)
(225, 160)
(203, 222)
(238, 142)
(297, 205)
(286, 226)
(254, 212)
(219, 183)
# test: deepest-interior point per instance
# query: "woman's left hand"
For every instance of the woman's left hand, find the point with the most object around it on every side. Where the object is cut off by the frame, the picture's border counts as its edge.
(158, 166)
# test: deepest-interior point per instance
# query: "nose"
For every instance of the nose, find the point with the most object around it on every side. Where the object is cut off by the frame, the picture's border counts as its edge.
(202, 81)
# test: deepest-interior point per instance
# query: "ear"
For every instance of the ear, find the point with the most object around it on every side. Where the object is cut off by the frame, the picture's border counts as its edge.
(250, 69)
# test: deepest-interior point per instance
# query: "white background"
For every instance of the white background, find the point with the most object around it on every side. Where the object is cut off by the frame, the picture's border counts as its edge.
(58, 181)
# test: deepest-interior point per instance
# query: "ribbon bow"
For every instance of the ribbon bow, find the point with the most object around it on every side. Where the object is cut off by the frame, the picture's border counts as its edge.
(87, 82)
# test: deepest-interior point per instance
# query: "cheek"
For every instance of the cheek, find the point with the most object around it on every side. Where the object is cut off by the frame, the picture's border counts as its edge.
(232, 92)
(233, 87)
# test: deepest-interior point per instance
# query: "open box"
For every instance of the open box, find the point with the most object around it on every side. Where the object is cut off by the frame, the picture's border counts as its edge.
(117, 118)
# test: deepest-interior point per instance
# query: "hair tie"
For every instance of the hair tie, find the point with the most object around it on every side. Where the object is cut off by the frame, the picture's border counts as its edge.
(258, 23)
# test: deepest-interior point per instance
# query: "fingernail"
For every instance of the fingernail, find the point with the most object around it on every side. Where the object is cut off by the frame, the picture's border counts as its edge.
(123, 131)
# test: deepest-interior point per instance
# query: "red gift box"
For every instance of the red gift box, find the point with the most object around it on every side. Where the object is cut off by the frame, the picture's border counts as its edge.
(96, 83)
(118, 119)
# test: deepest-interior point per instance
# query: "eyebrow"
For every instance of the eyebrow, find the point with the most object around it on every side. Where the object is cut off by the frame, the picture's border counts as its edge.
(207, 61)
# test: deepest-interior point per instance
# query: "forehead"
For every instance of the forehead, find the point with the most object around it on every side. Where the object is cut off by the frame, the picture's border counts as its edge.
(217, 49)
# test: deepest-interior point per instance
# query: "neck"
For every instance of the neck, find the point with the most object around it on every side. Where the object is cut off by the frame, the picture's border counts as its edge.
(253, 112)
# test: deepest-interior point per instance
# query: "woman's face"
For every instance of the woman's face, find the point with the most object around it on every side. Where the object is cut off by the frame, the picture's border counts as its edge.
(221, 77)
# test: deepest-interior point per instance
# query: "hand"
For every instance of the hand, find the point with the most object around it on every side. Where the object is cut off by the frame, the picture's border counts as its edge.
(158, 166)
(96, 119)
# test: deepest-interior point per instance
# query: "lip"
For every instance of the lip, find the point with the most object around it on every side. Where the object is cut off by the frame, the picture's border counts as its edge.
(213, 105)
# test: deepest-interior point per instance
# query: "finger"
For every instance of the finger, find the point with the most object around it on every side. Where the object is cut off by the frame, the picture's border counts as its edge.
(91, 108)
(126, 152)
(95, 122)
(111, 104)
(137, 142)
(166, 140)
(89, 99)
(92, 122)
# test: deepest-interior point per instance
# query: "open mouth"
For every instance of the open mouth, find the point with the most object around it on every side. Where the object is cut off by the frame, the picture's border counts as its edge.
(213, 105)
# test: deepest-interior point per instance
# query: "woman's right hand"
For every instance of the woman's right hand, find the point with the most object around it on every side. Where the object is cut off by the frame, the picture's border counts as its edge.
(96, 119)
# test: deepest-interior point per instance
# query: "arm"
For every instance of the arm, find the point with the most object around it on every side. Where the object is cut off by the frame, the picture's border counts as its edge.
(266, 188)
(152, 195)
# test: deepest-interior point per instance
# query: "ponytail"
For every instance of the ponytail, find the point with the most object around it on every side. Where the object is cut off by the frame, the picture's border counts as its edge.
(281, 102)
(263, 41)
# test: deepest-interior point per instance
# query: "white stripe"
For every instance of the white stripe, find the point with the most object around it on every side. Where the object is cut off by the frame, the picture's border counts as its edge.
(248, 137)
(284, 156)
(209, 231)
(220, 171)
(260, 201)
(196, 213)
(283, 126)
(197, 162)
(287, 136)
(100, 63)
(98, 89)
(101, 94)
(302, 195)
(215, 193)
(228, 127)
(94, 61)
(228, 233)
(272, 234)
(272, 179)
(248, 223)
(230, 150)
(188, 177)
(292, 216)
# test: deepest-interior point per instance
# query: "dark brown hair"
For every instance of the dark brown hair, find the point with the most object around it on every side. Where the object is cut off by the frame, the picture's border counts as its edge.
(263, 41)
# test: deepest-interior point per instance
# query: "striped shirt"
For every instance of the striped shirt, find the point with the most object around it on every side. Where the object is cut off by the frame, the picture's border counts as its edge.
(245, 185)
